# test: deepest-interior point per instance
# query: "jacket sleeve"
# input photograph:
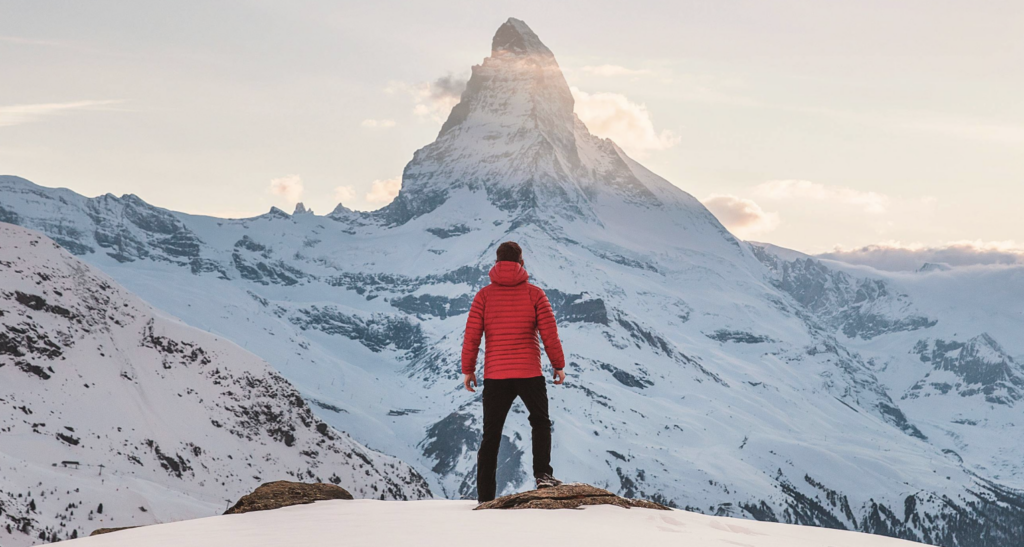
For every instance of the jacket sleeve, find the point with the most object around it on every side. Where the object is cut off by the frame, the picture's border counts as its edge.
(474, 332)
(549, 331)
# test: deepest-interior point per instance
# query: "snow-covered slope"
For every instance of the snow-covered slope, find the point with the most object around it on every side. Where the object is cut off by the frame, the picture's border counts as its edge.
(705, 372)
(455, 524)
(957, 379)
(112, 414)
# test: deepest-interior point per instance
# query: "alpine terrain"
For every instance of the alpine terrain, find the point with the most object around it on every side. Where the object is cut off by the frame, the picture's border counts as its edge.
(112, 414)
(705, 372)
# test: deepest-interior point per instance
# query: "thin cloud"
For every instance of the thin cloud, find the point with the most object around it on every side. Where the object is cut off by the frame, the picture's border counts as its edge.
(289, 187)
(897, 256)
(384, 191)
(871, 202)
(378, 124)
(629, 124)
(30, 42)
(613, 70)
(344, 194)
(743, 217)
(920, 122)
(19, 114)
(433, 101)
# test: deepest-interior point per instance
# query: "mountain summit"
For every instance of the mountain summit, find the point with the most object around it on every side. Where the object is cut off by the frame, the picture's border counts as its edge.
(516, 38)
(514, 140)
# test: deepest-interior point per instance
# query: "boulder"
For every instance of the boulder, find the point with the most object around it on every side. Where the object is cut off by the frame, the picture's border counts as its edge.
(275, 495)
(566, 496)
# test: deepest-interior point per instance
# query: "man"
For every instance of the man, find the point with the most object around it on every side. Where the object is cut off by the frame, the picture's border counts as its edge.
(509, 312)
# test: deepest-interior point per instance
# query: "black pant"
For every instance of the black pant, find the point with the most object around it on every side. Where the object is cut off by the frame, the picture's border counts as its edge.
(498, 397)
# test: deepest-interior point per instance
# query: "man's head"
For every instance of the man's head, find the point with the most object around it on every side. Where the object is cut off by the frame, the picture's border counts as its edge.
(510, 251)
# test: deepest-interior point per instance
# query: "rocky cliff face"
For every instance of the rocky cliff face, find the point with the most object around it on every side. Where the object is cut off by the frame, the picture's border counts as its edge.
(705, 373)
(112, 414)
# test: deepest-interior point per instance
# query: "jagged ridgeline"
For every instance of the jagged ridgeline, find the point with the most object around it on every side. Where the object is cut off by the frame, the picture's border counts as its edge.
(707, 372)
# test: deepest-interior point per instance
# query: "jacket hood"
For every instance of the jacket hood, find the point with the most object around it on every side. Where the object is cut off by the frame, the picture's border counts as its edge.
(508, 273)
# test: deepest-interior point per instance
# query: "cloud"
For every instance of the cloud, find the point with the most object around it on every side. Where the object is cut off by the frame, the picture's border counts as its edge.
(26, 113)
(871, 202)
(30, 42)
(433, 100)
(384, 191)
(380, 124)
(629, 124)
(288, 186)
(743, 217)
(344, 194)
(613, 70)
(896, 256)
(980, 130)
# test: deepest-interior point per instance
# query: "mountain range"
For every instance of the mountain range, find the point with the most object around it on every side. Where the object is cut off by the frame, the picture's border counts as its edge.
(705, 372)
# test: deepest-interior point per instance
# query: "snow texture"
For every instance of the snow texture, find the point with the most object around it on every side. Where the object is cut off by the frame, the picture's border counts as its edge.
(455, 524)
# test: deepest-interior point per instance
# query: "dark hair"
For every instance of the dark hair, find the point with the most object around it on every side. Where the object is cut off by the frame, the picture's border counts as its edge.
(510, 251)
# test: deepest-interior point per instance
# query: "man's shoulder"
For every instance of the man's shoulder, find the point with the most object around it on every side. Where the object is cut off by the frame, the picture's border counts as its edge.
(534, 290)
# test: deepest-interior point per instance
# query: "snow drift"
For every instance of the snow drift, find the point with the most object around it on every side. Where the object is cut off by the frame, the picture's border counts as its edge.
(455, 524)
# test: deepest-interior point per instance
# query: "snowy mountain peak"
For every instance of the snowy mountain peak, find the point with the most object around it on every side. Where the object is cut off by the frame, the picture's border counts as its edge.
(515, 137)
(519, 86)
(516, 38)
(300, 209)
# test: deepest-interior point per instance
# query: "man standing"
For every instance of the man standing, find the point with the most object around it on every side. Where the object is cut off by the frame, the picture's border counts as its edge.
(509, 312)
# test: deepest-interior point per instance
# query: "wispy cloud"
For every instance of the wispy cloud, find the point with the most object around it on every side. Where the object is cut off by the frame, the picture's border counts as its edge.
(897, 256)
(871, 202)
(289, 187)
(710, 89)
(743, 217)
(979, 130)
(378, 124)
(922, 122)
(30, 41)
(432, 100)
(629, 124)
(344, 195)
(613, 70)
(19, 114)
(384, 191)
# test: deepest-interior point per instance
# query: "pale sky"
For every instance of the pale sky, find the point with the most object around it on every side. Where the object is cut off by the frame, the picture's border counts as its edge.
(806, 124)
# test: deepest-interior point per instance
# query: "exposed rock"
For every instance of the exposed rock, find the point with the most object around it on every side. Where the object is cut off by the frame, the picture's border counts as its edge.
(99, 531)
(566, 496)
(275, 495)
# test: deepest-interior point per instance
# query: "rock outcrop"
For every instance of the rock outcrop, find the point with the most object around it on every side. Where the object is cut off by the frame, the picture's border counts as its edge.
(278, 494)
(101, 531)
(566, 496)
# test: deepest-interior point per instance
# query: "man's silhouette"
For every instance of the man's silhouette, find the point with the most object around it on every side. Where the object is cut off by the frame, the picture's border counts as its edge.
(508, 313)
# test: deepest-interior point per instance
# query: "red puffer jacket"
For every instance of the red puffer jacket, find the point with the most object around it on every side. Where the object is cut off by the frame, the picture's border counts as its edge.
(509, 312)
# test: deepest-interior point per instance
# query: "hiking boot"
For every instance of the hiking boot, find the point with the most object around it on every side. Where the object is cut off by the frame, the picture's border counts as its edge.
(547, 481)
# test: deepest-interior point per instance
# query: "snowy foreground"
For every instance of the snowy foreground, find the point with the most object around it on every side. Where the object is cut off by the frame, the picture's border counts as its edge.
(454, 524)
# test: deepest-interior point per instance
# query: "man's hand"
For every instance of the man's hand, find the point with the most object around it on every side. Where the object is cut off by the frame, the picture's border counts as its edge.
(559, 376)
(470, 378)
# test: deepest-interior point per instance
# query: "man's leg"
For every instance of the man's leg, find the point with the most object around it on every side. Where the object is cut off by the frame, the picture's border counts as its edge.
(497, 400)
(534, 393)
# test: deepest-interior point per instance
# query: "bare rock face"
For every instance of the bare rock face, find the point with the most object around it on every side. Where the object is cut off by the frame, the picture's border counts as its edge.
(275, 495)
(566, 496)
